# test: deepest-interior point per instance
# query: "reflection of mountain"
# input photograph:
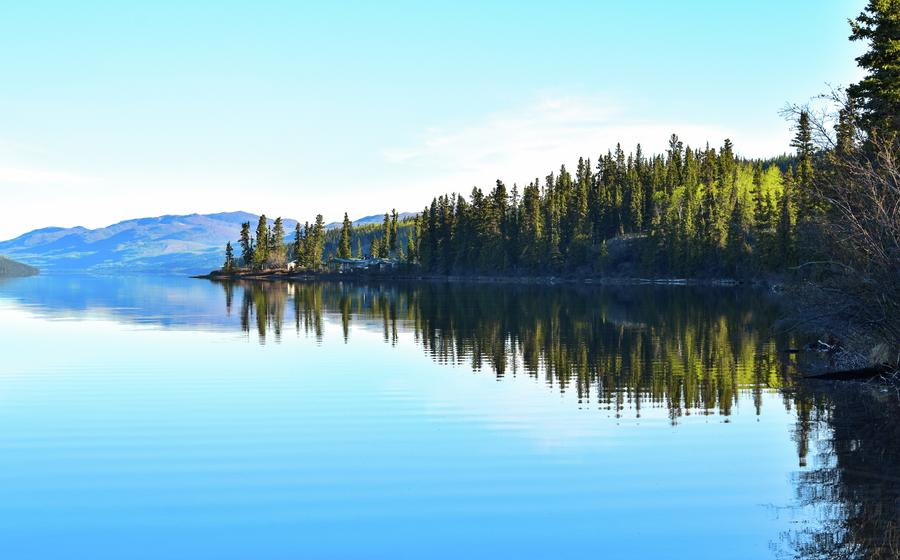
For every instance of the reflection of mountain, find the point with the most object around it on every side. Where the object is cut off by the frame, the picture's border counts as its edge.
(13, 269)
(170, 244)
(152, 300)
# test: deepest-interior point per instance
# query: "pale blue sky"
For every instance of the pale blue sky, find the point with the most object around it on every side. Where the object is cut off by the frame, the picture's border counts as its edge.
(113, 110)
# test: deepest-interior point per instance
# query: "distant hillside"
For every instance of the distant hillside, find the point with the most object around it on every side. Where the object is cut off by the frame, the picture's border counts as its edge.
(10, 268)
(373, 219)
(363, 234)
(166, 244)
(190, 244)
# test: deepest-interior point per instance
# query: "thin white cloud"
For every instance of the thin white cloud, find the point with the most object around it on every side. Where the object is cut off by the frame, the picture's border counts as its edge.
(521, 144)
(32, 176)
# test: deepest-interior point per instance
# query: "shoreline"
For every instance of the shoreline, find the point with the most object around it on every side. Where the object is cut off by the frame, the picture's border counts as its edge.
(284, 276)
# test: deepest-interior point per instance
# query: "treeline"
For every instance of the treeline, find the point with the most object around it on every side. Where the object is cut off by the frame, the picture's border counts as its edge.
(687, 211)
(680, 212)
(388, 240)
(312, 244)
(267, 249)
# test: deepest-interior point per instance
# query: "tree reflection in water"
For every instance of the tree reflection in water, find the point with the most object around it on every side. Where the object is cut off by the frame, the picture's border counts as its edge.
(690, 350)
(856, 489)
(687, 349)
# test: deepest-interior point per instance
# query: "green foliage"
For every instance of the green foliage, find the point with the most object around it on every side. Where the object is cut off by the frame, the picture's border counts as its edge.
(700, 211)
(261, 252)
(277, 253)
(246, 243)
(228, 266)
(346, 236)
(878, 93)
(688, 211)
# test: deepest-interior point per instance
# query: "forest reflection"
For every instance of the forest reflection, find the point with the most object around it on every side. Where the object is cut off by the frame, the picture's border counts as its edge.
(687, 350)
(854, 487)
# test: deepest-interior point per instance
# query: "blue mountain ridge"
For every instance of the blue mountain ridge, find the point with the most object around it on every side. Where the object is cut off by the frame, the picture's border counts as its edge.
(171, 244)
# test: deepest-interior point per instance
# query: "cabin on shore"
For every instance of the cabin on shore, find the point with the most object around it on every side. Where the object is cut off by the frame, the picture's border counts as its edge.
(338, 264)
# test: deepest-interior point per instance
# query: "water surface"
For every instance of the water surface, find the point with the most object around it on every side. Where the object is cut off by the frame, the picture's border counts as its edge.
(173, 418)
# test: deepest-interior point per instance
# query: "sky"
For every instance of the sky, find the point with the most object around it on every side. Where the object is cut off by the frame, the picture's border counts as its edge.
(118, 110)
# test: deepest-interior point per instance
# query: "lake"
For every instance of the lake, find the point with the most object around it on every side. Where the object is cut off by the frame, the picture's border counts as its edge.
(154, 417)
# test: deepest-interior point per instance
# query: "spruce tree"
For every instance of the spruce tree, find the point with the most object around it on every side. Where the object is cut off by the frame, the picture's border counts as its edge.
(785, 229)
(277, 256)
(261, 252)
(845, 130)
(229, 258)
(385, 237)
(878, 93)
(317, 246)
(412, 242)
(344, 251)
(246, 243)
(395, 231)
(803, 180)
(736, 245)
(298, 244)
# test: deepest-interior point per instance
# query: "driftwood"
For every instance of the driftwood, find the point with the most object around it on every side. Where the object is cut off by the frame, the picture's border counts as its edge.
(852, 374)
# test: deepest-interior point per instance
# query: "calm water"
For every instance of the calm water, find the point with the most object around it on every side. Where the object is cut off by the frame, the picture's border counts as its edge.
(176, 418)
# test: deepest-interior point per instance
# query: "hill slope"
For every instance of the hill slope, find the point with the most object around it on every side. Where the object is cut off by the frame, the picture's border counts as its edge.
(373, 219)
(167, 244)
(10, 268)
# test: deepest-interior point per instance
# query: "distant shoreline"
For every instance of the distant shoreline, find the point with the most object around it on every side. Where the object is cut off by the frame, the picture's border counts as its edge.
(306, 276)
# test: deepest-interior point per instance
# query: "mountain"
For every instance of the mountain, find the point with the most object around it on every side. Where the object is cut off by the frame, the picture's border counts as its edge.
(167, 244)
(373, 219)
(10, 269)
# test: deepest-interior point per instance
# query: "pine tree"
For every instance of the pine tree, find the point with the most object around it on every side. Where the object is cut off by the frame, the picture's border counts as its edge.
(246, 243)
(395, 231)
(532, 225)
(736, 246)
(277, 250)
(412, 242)
(298, 244)
(845, 130)
(261, 253)
(229, 258)
(807, 205)
(317, 247)
(785, 230)
(359, 253)
(384, 250)
(306, 258)
(344, 251)
(878, 93)
(374, 248)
